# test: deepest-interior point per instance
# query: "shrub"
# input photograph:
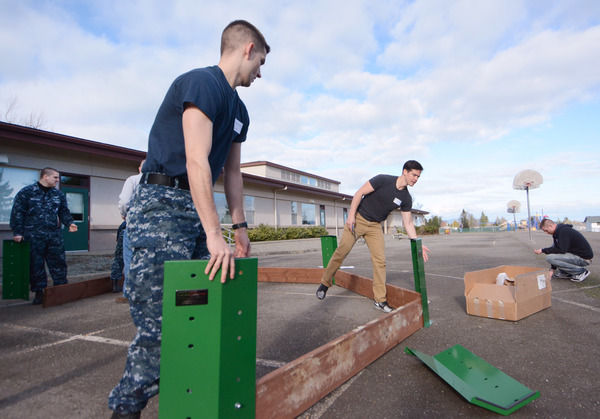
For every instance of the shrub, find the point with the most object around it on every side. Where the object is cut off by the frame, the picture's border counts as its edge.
(264, 233)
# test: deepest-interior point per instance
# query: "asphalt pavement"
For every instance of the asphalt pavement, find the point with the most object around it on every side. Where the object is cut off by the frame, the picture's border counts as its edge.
(61, 362)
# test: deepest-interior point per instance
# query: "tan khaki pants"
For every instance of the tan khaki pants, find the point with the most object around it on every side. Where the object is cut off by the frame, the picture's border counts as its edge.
(373, 235)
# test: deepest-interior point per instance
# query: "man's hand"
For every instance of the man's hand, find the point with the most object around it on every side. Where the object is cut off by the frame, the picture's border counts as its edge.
(72, 228)
(242, 243)
(221, 256)
(350, 222)
(425, 253)
(537, 251)
(17, 239)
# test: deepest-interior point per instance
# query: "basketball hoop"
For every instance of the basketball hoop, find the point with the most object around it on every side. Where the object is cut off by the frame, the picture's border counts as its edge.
(528, 179)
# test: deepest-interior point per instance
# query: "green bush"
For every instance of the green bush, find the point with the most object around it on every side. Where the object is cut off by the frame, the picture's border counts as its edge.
(264, 233)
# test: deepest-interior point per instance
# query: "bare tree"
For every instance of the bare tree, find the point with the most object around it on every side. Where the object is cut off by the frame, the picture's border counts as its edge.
(34, 120)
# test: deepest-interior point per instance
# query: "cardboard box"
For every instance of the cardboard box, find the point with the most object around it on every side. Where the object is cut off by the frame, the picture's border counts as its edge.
(531, 292)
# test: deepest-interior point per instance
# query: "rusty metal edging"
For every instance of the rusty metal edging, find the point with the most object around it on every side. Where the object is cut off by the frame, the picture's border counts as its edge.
(295, 387)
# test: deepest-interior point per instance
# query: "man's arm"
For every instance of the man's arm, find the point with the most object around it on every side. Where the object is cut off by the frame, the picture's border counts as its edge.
(126, 194)
(17, 217)
(365, 189)
(234, 187)
(197, 133)
(409, 226)
(64, 215)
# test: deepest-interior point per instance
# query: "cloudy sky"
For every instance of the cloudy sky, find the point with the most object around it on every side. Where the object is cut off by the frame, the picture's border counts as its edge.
(475, 90)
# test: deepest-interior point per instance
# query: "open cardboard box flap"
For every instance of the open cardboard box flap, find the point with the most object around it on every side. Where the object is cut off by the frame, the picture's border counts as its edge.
(531, 292)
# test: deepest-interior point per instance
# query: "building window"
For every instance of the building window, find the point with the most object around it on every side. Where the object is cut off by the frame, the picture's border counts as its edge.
(222, 208)
(249, 209)
(322, 215)
(345, 214)
(294, 213)
(12, 180)
(308, 214)
(74, 180)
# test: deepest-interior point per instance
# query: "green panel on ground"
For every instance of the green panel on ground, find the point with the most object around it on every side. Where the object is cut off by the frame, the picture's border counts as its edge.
(15, 270)
(328, 246)
(208, 348)
(416, 248)
(477, 381)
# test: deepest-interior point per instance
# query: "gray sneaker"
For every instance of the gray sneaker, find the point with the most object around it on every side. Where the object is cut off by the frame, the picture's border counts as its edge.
(383, 306)
(581, 276)
(558, 274)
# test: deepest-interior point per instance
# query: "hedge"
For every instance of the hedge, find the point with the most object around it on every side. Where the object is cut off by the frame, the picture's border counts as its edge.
(265, 232)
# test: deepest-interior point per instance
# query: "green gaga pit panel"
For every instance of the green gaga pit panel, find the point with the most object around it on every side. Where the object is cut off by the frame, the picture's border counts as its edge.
(208, 348)
(477, 381)
(15, 270)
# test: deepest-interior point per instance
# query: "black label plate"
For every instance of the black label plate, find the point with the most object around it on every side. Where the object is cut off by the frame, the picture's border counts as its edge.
(191, 297)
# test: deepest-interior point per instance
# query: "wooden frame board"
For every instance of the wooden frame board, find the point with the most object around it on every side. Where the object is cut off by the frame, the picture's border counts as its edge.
(295, 387)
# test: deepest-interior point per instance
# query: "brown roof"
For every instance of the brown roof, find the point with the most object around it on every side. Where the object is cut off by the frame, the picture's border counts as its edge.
(279, 166)
(39, 137)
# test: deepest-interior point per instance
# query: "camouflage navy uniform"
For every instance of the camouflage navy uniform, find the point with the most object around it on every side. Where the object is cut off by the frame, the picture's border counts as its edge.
(37, 214)
(162, 221)
(181, 237)
(116, 270)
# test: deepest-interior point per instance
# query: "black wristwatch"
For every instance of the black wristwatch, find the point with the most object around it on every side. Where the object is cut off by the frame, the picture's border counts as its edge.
(239, 225)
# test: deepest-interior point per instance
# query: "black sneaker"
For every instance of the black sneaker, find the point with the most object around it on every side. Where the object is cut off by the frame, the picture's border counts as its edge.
(322, 291)
(39, 298)
(383, 306)
(581, 276)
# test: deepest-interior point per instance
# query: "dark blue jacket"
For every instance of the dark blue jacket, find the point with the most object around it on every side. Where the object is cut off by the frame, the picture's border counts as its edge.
(39, 210)
(567, 240)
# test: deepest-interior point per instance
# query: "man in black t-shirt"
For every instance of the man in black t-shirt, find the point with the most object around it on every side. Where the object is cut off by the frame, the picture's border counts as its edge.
(570, 252)
(371, 205)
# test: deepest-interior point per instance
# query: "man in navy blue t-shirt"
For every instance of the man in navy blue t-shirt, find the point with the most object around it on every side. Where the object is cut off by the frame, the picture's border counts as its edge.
(197, 134)
(371, 205)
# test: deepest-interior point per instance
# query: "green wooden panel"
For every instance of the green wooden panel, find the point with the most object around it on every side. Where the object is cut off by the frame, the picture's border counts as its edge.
(15, 270)
(208, 348)
(328, 246)
(419, 274)
(478, 381)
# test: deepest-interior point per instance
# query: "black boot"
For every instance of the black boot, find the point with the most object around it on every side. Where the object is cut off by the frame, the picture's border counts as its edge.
(39, 297)
(117, 415)
(115, 286)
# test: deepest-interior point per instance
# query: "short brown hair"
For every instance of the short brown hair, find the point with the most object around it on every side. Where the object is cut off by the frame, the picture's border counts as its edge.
(47, 171)
(239, 31)
(546, 221)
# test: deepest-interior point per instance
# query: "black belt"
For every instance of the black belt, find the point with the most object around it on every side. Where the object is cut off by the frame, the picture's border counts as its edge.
(180, 182)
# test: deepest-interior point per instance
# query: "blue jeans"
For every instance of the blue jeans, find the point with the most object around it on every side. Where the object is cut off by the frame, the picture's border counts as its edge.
(567, 262)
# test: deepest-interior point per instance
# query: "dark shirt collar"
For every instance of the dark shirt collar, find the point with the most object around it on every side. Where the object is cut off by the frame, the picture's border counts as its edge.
(43, 188)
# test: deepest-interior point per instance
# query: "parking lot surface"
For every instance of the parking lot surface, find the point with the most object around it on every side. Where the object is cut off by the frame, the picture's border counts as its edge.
(61, 362)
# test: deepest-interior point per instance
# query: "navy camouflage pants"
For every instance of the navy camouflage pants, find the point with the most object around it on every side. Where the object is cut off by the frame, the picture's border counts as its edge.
(46, 248)
(162, 225)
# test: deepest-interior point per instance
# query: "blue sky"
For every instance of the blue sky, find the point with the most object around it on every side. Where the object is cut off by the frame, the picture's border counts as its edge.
(475, 90)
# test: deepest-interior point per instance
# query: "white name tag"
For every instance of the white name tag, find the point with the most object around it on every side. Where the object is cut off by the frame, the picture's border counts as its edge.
(237, 126)
(397, 201)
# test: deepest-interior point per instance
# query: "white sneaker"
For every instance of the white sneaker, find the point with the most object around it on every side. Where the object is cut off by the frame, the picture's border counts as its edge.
(383, 306)
(581, 276)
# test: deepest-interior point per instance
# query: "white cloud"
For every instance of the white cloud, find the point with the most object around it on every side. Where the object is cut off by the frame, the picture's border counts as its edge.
(351, 88)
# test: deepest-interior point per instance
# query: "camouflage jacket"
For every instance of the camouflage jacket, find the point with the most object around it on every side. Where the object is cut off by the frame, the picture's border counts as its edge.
(39, 210)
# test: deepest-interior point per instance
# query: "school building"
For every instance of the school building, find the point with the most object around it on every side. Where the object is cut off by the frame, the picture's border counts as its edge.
(92, 175)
